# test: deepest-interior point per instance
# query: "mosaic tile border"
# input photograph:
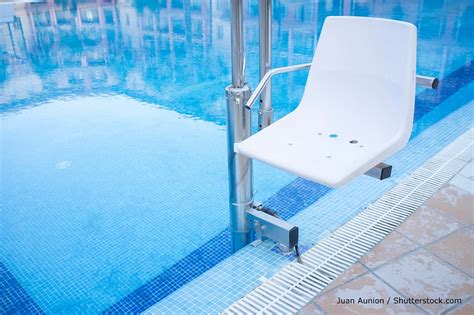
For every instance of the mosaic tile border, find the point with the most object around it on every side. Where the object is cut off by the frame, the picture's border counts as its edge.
(13, 297)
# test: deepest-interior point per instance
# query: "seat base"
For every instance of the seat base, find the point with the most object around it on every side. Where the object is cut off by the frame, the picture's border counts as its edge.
(314, 151)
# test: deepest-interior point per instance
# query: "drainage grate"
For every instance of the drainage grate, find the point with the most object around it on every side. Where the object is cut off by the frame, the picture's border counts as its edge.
(296, 284)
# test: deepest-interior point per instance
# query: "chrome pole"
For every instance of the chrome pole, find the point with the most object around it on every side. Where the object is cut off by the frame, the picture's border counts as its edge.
(238, 129)
(265, 112)
(237, 44)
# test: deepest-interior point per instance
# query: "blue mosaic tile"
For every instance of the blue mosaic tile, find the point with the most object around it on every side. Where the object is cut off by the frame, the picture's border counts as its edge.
(13, 298)
(193, 265)
(296, 196)
(456, 80)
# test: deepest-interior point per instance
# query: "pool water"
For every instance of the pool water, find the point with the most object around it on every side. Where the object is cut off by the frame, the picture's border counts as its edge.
(113, 153)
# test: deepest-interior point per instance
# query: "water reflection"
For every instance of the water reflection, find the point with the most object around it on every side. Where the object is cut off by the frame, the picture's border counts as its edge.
(175, 53)
(69, 48)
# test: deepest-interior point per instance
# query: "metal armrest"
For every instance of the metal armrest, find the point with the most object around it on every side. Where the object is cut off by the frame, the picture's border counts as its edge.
(425, 81)
(428, 82)
(266, 78)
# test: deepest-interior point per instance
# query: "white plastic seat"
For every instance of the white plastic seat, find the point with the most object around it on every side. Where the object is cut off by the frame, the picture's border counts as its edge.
(357, 107)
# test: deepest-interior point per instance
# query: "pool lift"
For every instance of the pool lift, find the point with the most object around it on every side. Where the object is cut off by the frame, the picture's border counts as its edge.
(357, 110)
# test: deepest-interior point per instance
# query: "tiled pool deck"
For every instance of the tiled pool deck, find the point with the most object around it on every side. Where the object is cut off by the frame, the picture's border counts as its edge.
(428, 256)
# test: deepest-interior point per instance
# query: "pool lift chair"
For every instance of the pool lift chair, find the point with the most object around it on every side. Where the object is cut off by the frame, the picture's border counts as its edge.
(356, 111)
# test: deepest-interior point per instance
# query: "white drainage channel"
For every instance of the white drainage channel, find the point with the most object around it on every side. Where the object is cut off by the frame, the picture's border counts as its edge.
(296, 284)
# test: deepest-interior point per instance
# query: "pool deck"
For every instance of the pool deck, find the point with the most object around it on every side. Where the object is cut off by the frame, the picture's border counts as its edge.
(429, 255)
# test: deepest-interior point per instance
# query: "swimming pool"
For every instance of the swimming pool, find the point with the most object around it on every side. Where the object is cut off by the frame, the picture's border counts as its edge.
(113, 138)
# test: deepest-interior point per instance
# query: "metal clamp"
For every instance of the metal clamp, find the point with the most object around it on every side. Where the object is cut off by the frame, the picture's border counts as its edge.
(266, 225)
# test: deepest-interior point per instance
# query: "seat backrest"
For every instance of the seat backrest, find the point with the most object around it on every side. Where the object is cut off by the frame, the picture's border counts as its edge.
(364, 75)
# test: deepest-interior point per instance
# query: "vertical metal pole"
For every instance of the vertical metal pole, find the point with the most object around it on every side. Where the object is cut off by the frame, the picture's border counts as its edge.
(237, 44)
(238, 129)
(265, 112)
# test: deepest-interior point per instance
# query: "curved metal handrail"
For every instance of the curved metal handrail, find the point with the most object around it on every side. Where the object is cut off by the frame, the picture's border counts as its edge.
(266, 78)
(425, 81)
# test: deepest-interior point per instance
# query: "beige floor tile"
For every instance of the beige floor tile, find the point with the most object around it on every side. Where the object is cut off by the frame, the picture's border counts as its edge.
(463, 183)
(422, 275)
(364, 287)
(427, 225)
(310, 309)
(455, 250)
(465, 309)
(455, 202)
(354, 271)
(392, 246)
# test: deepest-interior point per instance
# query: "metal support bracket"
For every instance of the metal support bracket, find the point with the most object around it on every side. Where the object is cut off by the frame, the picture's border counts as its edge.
(380, 171)
(277, 229)
(428, 82)
(258, 234)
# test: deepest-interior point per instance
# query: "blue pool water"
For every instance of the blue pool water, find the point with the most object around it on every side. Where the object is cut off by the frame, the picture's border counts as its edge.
(113, 163)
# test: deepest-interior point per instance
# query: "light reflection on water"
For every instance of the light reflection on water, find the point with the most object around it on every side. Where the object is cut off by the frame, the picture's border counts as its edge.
(176, 53)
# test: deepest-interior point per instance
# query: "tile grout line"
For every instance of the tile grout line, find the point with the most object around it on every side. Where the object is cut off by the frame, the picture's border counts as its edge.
(449, 216)
(396, 291)
(419, 246)
(457, 306)
(448, 263)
